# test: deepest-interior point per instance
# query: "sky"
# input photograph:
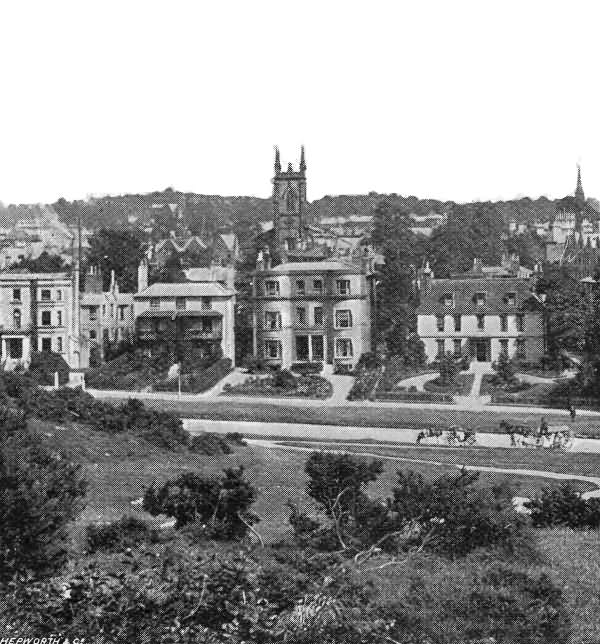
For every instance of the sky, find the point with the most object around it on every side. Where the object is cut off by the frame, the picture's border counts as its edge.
(458, 100)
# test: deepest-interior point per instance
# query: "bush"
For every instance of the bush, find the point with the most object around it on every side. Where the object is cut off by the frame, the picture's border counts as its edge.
(126, 532)
(416, 396)
(253, 364)
(40, 493)
(448, 370)
(564, 506)
(43, 366)
(221, 506)
(284, 379)
(505, 369)
(209, 444)
(305, 368)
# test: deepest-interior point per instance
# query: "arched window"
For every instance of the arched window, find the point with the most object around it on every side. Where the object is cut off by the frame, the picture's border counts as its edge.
(290, 200)
(17, 319)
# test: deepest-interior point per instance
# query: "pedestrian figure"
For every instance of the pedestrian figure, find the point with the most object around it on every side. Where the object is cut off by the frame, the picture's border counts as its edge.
(573, 413)
(543, 427)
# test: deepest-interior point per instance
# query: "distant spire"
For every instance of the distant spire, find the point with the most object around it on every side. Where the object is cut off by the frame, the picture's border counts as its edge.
(302, 160)
(277, 161)
(579, 194)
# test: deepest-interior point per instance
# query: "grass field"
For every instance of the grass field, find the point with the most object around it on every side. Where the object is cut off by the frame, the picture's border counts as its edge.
(359, 416)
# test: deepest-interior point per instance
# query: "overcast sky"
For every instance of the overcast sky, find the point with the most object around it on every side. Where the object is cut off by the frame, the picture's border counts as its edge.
(452, 99)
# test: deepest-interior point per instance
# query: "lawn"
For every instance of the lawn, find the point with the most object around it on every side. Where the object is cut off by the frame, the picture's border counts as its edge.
(486, 420)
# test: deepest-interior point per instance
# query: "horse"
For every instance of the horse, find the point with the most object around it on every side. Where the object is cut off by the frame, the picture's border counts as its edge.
(430, 433)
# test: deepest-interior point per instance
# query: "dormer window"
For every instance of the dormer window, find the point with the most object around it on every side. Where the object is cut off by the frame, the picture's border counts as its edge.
(480, 299)
(511, 299)
(448, 299)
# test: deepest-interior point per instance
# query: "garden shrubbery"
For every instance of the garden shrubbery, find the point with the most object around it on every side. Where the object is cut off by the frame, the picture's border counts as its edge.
(283, 383)
(43, 366)
(219, 507)
(564, 506)
(126, 532)
(199, 379)
(132, 371)
(213, 444)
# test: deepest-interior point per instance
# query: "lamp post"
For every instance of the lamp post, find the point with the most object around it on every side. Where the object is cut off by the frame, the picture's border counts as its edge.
(543, 297)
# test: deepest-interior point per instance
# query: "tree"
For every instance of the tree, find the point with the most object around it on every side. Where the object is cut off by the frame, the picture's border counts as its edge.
(337, 483)
(171, 271)
(118, 250)
(45, 263)
(448, 370)
(220, 506)
(41, 493)
(505, 368)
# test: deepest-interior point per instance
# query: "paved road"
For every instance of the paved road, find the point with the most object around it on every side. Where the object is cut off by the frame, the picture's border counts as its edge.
(594, 480)
(342, 433)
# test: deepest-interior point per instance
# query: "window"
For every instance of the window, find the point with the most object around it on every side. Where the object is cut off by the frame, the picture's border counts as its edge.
(302, 350)
(440, 322)
(504, 347)
(179, 304)
(16, 295)
(105, 335)
(448, 299)
(457, 322)
(272, 320)
(480, 299)
(290, 243)
(440, 348)
(58, 294)
(92, 335)
(104, 308)
(59, 344)
(457, 348)
(343, 348)
(521, 352)
(207, 325)
(46, 318)
(46, 294)
(154, 304)
(301, 315)
(15, 348)
(318, 347)
(93, 313)
(318, 286)
(59, 318)
(511, 299)
(46, 344)
(520, 322)
(318, 316)
(300, 287)
(480, 322)
(272, 349)
(112, 310)
(17, 319)
(343, 287)
(271, 287)
(503, 323)
(343, 319)
(206, 304)
(121, 313)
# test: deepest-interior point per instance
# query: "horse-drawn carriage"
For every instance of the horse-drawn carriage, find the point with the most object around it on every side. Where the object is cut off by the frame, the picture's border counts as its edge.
(549, 437)
(454, 436)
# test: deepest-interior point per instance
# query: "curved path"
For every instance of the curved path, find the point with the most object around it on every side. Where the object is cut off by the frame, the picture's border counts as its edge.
(594, 480)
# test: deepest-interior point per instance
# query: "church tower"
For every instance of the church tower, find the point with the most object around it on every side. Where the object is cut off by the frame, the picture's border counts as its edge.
(289, 205)
(579, 194)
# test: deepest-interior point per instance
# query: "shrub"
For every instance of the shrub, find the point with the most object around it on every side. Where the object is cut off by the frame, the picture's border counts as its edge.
(252, 364)
(284, 379)
(564, 506)
(221, 505)
(307, 367)
(505, 368)
(198, 381)
(209, 444)
(448, 370)
(126, 532)
(43, 366)
(40, 493)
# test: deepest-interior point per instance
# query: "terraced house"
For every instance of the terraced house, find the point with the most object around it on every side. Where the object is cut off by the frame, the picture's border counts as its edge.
(38, 312)
(480, 314)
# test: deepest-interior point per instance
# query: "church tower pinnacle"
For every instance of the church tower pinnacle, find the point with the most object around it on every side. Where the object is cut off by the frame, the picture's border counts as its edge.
(579, 194)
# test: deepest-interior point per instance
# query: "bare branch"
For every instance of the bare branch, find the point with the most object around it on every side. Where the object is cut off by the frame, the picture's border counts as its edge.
(254, 532)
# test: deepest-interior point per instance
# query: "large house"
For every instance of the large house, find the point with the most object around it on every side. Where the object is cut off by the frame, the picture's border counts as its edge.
(480, 315)
(313, 305)
(106, 317)
(192, 320)
(38, 312)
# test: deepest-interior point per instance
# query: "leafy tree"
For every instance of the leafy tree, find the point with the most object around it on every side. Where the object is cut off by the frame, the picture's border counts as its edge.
(171, 271)
(220, 506)
(118, 250)
(45, 263)
(41, 493)
(505, 368)
(449, 369)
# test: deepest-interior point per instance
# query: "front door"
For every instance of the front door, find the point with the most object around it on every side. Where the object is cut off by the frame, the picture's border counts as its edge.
(481, 351)
(302, 348)
(317, 347)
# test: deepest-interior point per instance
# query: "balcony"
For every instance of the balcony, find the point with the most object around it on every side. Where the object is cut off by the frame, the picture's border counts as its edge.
(199, 334)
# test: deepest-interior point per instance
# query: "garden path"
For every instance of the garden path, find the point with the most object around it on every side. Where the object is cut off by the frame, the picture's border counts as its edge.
(418, 381)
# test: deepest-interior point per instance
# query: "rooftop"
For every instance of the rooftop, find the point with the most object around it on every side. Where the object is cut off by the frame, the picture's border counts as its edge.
(185, 289)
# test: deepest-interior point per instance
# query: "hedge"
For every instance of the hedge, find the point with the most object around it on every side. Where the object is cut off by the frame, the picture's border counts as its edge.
(415, 396)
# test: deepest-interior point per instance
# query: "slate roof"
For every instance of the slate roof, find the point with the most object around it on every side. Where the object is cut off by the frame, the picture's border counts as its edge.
(464, 290)
(185, 289)
(301, 267)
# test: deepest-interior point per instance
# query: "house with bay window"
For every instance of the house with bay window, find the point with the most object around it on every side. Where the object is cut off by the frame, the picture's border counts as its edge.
(480, 316)
(311, 312)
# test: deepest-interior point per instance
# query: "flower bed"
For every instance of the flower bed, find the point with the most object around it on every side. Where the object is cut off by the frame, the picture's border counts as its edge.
(282, 385)
(461, 386)
(491, 384)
